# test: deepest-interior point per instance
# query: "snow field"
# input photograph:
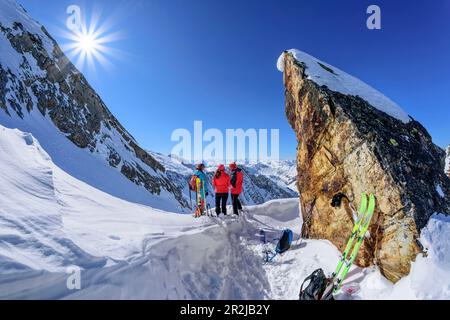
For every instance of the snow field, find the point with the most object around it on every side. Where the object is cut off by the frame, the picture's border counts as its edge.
(50, 220)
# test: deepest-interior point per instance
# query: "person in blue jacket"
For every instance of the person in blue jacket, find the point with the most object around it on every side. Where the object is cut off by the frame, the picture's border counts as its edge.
(199, 172)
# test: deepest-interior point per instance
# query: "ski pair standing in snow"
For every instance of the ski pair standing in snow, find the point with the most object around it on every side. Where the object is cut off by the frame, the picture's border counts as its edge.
(237, 180)
(198, 184)
(221, 183)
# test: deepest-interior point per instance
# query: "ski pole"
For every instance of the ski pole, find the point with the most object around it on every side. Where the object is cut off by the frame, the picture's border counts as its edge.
(190, 195)
(208, 210)
(205, 202)
(299, 238)
(272, 257)
(242, 204)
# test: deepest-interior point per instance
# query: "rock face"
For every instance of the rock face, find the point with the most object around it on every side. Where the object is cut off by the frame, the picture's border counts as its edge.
(348, 145)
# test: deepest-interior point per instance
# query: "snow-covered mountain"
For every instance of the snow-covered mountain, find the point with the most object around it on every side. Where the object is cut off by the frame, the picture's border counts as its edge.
(283, 172)
(41, 92)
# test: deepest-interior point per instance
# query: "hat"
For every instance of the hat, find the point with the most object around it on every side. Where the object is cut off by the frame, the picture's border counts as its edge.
(200, 166)
(233, 166)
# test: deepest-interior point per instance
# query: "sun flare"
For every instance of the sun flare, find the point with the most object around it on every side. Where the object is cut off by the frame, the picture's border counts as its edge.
(86, 43)
(90, 45)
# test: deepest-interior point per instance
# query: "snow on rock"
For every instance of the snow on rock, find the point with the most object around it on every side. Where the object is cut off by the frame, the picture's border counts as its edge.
(12, 12)
(337, 80)
(447, 162)
(430, 274)
(439, 191)
(14, 16)
(58, 211)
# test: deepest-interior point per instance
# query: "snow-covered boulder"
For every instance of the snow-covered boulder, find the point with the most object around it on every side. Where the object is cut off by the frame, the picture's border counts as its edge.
(353, 139)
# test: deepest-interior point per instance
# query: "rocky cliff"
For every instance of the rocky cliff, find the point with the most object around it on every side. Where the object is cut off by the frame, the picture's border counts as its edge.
(353, 139)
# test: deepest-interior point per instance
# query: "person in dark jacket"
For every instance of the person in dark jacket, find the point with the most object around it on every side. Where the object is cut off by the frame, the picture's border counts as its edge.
(221, 183)
(236, 180)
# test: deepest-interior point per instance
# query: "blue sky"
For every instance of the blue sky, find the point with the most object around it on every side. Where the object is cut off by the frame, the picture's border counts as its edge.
(215, 61)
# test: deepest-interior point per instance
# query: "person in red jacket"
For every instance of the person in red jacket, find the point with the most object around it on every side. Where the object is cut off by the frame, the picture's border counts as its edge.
(221, 183)
(237, 179)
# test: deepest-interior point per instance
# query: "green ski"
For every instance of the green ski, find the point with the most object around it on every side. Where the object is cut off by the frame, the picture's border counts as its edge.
(361, 213)
(364, 224)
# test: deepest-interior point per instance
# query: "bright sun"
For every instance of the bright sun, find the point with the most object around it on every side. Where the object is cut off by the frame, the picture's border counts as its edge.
(89, 45)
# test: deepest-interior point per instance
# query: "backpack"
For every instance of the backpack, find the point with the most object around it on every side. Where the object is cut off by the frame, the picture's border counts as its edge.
(193, 183)
(285, 242)
(283, 245)
(318, 283)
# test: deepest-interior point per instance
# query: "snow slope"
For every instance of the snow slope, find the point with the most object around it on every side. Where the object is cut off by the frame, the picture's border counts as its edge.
(84, 165)
(50, 220)
(337, 80)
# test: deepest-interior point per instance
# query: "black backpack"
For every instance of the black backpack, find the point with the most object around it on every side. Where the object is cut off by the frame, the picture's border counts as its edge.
(318, 283)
